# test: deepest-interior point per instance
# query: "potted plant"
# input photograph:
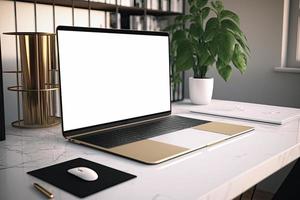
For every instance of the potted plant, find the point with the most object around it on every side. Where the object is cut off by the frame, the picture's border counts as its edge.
(208, 36)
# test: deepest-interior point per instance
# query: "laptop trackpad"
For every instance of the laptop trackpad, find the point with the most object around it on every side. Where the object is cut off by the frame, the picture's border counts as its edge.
(202, 135)
(190, 138)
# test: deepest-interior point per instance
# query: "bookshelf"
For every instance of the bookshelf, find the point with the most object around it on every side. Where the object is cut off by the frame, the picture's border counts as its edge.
(151, 15)
(95, 5)
(122, 11)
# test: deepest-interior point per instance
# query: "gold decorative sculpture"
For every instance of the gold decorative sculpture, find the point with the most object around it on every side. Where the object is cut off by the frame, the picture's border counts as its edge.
(38, 87)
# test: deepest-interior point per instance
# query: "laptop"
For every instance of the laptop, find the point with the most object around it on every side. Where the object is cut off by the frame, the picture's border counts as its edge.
(115, 96)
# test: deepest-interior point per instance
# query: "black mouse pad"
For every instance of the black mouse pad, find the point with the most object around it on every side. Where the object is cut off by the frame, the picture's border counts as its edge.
(58, 176)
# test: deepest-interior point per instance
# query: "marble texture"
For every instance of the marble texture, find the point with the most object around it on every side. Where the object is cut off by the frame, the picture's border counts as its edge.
(222, 171)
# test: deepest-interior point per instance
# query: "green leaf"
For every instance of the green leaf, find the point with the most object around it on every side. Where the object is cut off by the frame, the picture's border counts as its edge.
(239, 59)
(213, 47)
(197, 19)
(179, 35)
(227, 14)
(209, 35)
(194, 42)
(193, 9)
(184, 57)
(211, 29)
(179, 18)
(196, 30)
(203, 56)
(201, 3)
(243, 43)
(212, 23)
(230, 25)
(184, 45)
(217, 5)
(187, 17)
(205, 12)
(213, 4)
(210, 60)
(226, 43)
(183, 63)
(224, 70)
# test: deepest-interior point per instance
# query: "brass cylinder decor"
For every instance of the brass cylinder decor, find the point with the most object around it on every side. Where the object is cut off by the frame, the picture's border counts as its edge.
(38, 87)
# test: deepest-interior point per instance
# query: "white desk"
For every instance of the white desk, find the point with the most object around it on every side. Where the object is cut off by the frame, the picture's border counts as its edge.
(222, 171)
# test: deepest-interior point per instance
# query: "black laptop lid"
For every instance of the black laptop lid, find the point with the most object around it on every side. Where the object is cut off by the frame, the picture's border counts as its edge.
(111, 77)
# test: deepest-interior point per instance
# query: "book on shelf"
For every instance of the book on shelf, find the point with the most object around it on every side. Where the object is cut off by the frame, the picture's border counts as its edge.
(110, 1)
(128, 3)
(153, 4)
(107, 20)
(149, 4)
(98, 18)
(115, 19)
(101, 1)
(164, 5)
(137, 22)
(176, 6)
(140, 3)
(157, 23)
(151, 23)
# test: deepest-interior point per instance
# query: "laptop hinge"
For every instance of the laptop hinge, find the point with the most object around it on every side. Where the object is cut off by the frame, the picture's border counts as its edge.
(115, 127)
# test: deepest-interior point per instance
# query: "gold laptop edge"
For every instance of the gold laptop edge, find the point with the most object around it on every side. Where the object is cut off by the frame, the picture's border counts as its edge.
(228, 129)
(139, 151)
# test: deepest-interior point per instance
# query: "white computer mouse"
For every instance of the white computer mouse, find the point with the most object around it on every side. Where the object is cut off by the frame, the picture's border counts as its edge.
(84, 173)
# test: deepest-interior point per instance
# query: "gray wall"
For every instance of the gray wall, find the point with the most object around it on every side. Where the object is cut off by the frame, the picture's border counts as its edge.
(261, 20)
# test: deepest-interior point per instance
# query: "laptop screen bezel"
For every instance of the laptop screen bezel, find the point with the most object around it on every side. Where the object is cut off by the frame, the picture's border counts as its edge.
(99, 127)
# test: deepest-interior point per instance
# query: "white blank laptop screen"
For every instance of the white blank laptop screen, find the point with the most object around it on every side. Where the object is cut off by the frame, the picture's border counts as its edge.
(107, 77)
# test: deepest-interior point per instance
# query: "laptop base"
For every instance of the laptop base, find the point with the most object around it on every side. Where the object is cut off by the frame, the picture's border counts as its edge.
(152, 150)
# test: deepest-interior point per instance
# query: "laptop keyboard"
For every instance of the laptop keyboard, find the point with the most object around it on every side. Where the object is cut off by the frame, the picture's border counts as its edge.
(125, 135)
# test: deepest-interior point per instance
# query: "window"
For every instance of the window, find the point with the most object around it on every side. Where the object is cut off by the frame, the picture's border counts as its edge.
(293, 53)
(290, 55)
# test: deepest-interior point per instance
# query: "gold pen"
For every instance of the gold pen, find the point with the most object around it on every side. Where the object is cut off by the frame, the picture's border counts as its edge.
(43, 191)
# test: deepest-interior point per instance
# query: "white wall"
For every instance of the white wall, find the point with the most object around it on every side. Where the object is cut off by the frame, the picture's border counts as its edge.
(261, 20)
(25, 22)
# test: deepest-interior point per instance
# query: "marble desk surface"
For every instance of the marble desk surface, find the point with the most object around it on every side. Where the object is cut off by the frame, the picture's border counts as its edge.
(222, 171)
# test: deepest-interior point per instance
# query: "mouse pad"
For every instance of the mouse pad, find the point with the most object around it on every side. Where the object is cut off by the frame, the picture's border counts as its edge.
(58, 176)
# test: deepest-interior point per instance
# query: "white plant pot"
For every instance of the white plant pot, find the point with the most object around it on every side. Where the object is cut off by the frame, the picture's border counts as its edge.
(201, 90)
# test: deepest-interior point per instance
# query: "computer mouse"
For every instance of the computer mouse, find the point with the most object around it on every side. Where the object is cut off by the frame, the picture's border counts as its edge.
(84, 173)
